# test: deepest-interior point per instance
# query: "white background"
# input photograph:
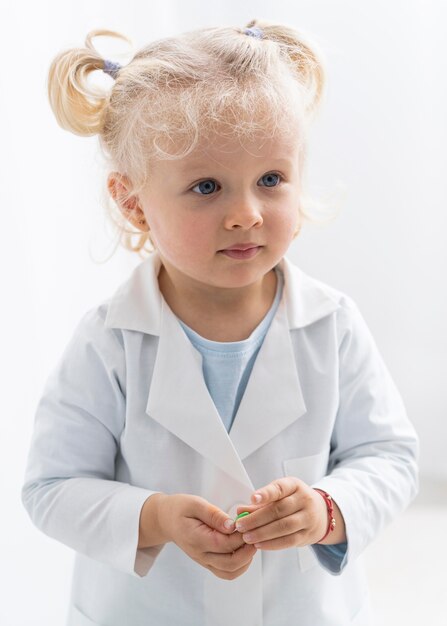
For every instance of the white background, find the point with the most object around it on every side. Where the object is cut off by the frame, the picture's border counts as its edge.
(381, 134)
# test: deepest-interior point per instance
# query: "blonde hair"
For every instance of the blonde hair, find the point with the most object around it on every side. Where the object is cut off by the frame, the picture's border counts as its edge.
(179, 90)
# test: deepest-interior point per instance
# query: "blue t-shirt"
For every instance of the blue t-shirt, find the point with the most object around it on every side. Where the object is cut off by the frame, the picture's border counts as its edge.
(227, 365)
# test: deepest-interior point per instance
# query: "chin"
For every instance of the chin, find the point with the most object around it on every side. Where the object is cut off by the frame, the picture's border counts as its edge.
(240, 277)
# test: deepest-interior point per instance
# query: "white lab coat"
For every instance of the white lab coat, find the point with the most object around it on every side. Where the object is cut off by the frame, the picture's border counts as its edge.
(126, 413)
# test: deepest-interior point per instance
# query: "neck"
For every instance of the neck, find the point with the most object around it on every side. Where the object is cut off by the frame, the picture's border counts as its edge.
(219, 314)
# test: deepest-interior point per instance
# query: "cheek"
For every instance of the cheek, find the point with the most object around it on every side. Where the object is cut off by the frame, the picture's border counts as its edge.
(177, 235)
(284, 221)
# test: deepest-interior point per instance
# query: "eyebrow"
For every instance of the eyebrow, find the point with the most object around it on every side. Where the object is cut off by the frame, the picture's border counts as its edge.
(200, 167)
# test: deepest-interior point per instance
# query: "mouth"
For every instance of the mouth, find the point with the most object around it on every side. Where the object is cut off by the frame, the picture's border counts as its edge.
(242, 251)
(242, 246)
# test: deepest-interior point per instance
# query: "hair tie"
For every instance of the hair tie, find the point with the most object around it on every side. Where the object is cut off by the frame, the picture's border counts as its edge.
(254, 32)
(111, 68)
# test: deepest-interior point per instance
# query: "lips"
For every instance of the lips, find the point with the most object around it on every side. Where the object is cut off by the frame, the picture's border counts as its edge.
(242, 251)
(242, 246)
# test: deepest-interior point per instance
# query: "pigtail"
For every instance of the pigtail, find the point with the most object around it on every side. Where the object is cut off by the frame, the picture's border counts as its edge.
(77, 104)
(304, 55)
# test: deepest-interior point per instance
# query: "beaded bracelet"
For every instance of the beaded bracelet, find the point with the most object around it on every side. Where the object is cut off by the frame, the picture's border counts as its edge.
(330, 511)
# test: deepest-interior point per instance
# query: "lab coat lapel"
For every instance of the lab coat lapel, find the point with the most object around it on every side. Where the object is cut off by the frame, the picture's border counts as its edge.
(179, 400)
(273, 398)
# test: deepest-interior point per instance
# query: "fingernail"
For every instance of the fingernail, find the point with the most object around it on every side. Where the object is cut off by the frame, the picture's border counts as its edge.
(257, 497)
(228, 523)
(240, 527)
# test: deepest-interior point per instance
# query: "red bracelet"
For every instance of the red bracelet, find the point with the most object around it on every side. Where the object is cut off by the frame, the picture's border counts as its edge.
(330, 511)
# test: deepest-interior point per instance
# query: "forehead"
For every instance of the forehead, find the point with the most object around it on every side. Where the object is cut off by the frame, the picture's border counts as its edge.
(233, 152)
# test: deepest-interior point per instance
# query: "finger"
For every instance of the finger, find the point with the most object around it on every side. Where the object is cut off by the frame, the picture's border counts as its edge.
(282, 543)
(233, 561)
(220, 543)
(276, 490)
(229, 575)
(250, 508)
(262, 516)
(280, 528)
(213, 517)
(227, 543)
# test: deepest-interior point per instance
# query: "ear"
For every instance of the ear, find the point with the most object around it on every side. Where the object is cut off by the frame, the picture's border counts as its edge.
(119, 187)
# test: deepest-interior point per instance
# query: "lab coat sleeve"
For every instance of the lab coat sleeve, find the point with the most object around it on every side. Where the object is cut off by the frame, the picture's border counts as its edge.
(373, 464)
(69, 489)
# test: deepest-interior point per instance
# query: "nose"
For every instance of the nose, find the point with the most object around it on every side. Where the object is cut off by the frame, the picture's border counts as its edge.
(243, 213)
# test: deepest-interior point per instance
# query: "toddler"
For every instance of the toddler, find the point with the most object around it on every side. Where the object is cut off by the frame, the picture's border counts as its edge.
(220, 378)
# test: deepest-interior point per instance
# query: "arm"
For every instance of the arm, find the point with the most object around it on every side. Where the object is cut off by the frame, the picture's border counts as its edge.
(69, 489)
(372, 474)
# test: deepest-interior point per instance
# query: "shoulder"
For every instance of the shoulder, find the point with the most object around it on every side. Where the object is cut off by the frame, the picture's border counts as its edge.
(92, 341)
(134, 306)
(310, 300)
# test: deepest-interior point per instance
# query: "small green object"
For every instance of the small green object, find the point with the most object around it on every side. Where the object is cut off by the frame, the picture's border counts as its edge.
(242, 515)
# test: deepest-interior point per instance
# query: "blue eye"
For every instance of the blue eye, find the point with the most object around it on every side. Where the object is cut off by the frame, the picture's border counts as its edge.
(206, 187)
(271, 180)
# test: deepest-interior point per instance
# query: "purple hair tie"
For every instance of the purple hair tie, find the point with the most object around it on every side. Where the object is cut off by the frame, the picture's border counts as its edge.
(111, 68)
(254, 32)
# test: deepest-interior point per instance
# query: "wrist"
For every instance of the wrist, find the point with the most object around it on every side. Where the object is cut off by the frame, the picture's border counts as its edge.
(163, 505)
(152, 531)
(335, 531)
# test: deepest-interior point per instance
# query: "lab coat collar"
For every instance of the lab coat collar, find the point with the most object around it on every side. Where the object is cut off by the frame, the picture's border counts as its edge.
(178, 398)
(137, 304)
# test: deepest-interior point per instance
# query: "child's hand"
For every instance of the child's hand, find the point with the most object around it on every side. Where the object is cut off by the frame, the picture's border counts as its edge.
(290, 513)
(197, 527)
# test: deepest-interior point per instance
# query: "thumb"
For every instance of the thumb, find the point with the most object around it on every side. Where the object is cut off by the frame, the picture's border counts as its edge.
(215, 518)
